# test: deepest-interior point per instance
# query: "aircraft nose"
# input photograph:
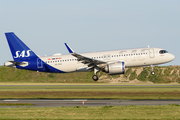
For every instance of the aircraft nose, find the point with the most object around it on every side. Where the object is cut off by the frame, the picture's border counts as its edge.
(172, 57)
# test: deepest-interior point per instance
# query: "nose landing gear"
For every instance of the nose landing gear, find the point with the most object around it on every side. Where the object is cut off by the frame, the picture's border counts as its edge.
(152, 69)
(152, 72)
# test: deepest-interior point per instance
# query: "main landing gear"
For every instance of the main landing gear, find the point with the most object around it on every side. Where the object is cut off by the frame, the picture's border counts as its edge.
(152, 70)
(95, 77)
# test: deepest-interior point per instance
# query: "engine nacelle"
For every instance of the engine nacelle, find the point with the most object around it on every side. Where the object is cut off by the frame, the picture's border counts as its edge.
(115, 68)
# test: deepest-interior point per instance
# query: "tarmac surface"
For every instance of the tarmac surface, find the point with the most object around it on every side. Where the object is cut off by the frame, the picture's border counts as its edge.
(78, 102)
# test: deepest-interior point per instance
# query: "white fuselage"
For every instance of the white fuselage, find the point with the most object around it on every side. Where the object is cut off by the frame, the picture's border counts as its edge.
(131, 58)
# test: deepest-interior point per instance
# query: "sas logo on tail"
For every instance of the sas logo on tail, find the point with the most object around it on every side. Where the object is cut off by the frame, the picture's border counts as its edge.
(22, 54)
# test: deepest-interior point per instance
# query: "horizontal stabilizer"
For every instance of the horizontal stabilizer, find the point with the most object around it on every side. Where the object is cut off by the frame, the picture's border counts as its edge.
(15, 63)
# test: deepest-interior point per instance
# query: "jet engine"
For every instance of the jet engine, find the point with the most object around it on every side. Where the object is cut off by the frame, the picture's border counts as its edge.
(115, 68)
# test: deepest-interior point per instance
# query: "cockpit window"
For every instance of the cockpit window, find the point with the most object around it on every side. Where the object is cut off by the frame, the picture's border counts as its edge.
(163, 51)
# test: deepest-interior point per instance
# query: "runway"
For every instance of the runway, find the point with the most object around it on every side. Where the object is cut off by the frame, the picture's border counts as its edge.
(78, 102)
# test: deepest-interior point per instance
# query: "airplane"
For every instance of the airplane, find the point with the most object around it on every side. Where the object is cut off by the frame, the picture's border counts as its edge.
(111, 62)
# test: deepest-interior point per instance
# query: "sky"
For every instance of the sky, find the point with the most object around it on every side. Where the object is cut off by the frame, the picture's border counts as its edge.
(90, 25)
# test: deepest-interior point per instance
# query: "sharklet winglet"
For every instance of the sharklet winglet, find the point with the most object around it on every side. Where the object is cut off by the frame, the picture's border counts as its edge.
(69, 49)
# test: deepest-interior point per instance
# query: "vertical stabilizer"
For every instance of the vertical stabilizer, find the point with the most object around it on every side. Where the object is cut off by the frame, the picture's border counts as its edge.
(18, 49)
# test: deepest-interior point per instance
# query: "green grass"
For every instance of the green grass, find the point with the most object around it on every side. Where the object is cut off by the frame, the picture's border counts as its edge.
(90, 92)
(105, 112)
(163, 74)
(20, 76)
(16, 104)
(88, 95)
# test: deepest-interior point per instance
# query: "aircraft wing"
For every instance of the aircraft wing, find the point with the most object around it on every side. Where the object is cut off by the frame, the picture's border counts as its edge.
(85, 60)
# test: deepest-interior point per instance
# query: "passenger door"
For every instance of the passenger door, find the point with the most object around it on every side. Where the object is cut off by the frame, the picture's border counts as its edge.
(151, 53)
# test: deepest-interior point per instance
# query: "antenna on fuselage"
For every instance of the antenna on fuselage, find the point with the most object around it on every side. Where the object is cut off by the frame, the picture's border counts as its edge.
(148, 46)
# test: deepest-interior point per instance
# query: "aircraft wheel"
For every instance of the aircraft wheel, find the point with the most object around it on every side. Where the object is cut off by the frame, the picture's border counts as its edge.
(152, 72)
(95, 77)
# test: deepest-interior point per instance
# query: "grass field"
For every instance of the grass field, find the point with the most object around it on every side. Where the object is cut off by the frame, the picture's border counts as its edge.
(15, 104)
(90, 92)
(106, 112)
(164, 74)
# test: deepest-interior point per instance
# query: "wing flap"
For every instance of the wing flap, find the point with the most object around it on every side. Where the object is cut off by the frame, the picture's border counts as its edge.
(85, 60)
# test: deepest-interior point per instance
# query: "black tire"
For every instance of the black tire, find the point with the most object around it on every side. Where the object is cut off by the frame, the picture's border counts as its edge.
(153, 73)
(95, 77)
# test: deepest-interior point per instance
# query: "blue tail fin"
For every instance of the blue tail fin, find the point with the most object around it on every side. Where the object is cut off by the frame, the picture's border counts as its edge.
(18, 49)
